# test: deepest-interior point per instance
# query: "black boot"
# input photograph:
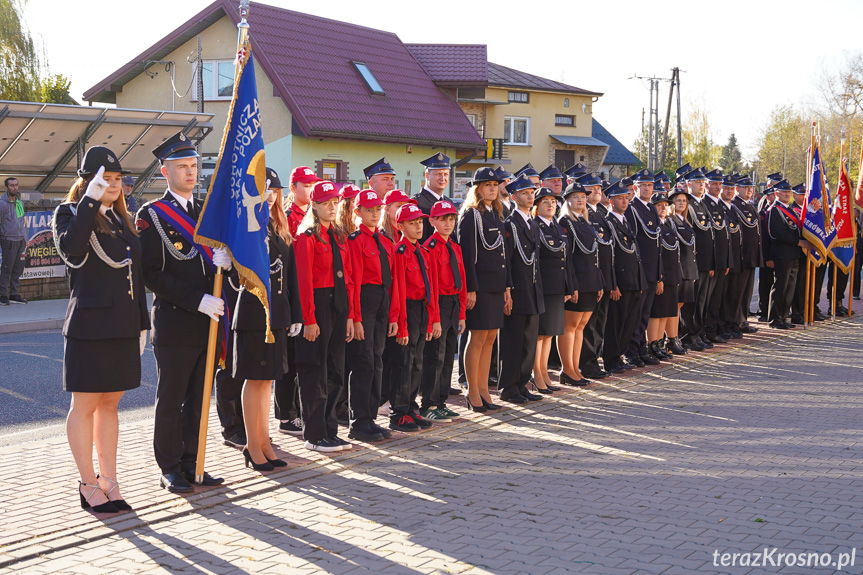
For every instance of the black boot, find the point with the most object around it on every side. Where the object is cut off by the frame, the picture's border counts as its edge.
(662, 348)
(675, 347)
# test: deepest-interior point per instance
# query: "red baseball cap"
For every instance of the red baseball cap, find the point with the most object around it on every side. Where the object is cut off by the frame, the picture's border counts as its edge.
(368, 199)
(409, 212)
(304, 175)
(394, 196)
(349, 191)
(324, 190)
(443, 208)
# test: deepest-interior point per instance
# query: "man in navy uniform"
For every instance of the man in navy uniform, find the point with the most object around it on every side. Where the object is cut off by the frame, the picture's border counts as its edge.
(751, 255)
(529, 171)
(784, 229)
(552, 179)
(381, 177)
(765, 273)
(662, 183)
(181, 280)
(722, 253)
(705, 256)
(437, 182)
(572, 173)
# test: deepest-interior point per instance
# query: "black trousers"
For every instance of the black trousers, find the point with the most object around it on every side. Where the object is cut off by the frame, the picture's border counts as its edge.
(728, 320)
(439, 354)
(320, 366)
(518, 349)
(798, 300)
(765, 284)
(286, 392)
(713, 314)
(785, 278)
(745, 283)
(594, 335)
(229, 403)
(703, 292)
(841, 284)
(820, 272)
(638, 341)
(858, 267)
(406, 360)
(179, 393)
(622, 318)
(365, 358)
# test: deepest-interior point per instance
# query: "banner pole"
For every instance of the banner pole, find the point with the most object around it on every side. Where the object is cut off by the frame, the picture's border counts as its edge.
(833, 299)
(807, 319)
(208, 384)
(811, 302)
(851, 279)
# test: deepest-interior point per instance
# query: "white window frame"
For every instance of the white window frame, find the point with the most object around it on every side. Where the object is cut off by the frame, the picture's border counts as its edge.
(508, 135)
(214, 86)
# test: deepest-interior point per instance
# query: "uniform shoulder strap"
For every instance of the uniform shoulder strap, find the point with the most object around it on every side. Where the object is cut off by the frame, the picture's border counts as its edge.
(432, 243)
(401, 249)
(354, 235)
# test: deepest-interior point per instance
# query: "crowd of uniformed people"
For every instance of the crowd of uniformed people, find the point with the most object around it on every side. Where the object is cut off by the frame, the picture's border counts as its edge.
(374, 293)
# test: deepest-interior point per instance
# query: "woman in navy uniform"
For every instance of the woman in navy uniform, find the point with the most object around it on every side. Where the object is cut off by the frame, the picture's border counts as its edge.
(481, 237)
(106, 320)
(688, 267)
(584, 259)
(664, 309)
(255, 361)
(557, 284)
(326, 291)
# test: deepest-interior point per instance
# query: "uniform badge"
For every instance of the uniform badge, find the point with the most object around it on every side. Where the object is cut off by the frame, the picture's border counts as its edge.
(340, 274)
(111, 159)
(141, 224)
(602, 234)
(182, 137)
(748, 218)
(551, 242)
(649, 223)
(178, 245)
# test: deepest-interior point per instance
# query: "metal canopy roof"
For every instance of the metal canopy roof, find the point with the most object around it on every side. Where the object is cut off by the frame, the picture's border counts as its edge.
(579, 141)
(42, 144)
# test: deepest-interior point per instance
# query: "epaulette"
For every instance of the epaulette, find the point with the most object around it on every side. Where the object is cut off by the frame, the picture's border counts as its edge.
(432, 243)
(354, 235)
(401, 249)
(309, 232)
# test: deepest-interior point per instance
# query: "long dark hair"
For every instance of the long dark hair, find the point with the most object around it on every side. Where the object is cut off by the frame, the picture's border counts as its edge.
(79, 188)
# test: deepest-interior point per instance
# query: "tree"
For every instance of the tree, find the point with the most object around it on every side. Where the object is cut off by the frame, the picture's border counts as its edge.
(730, 159)
(783, 144)
(699, 149)
(24, 74)
(641, 147)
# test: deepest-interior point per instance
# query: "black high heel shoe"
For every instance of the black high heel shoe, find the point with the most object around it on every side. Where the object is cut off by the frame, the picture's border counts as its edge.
(277, 462)
(478, 409)
(490, 405)
(543, 390)
(566, 380)
(107, 507)
(268, 466)
(120, 504)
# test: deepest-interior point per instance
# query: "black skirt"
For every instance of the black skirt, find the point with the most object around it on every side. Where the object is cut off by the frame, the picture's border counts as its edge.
(551, 322)
(586, 302)
(686, 293)
(665, 305)
(101, 365)
(487, 313)
(256, 359)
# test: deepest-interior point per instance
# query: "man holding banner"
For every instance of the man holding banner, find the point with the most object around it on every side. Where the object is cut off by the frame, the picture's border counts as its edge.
(783, 227)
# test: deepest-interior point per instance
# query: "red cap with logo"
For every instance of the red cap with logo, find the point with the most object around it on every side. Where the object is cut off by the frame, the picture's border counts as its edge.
(394, 196)
(443, 208)
(368, 199)
(349, 191)
(304, 175)
(324, 190)
(409, 212)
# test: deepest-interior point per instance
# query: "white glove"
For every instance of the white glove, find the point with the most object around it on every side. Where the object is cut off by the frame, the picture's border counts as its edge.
(295, 330)
(268, 184)
(143, 340)
(212, 306)
(97, 186)
(222, 259)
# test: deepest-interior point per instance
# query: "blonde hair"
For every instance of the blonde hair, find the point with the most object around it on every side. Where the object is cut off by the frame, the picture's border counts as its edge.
(312, 222)
(566, 210)
(79, 188)
(387, 225)
(472, 200)
(279, 219)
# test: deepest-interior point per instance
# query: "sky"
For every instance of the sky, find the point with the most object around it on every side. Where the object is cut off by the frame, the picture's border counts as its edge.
(738, 59)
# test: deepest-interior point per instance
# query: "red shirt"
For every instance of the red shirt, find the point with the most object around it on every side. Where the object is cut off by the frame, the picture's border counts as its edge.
(295, 216)
(315, 270)
(439, 257)
(366, 263)
(410, 285)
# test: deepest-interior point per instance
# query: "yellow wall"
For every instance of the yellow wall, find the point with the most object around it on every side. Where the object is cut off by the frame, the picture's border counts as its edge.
(218, 42)
(541, 110)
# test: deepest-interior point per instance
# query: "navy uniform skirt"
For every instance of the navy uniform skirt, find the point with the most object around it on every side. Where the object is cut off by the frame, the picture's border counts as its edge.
(551, 322)
(487, 313)
(665, 305)
(586, 302)
(253, 358)
(101, 365)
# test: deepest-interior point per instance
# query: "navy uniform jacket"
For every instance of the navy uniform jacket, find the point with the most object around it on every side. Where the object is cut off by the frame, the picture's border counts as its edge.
(485, 269)
(784, 233)
(750, 228)
(628, 272)
(672, 273)
(100, 305)
(735, 239)
(178, 284)
(721, 236)
(644, 220)
(765, 237)
(554, 265)
(585, 266)
(606, 249)
(702, 225)
(688, 264)
(425, 200)
(285, 308)
(526, 292)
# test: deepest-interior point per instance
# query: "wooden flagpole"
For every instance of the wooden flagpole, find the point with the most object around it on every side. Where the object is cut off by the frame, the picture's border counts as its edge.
(851, 277)
(807, 319)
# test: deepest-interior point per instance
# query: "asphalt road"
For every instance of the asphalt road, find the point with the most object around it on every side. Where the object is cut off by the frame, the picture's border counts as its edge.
(31, 387)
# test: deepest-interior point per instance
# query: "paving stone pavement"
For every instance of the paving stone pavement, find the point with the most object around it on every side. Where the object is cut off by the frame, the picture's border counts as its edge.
(751, 446)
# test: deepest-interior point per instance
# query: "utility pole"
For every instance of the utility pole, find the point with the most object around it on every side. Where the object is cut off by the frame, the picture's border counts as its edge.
(675, 81)
(653, 154)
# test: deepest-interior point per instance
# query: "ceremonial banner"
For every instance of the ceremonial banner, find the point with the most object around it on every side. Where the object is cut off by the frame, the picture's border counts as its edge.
(816, 222)
(235, 213)
(843, 213)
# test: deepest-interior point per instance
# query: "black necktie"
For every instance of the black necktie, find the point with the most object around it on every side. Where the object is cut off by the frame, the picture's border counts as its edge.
(422, 265)
(456, 276)
(339, 289)
(386, 273)
(112, 217)
(190, 208)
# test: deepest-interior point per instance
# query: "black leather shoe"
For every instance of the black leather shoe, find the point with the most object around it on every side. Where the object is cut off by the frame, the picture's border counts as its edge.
(208, 479)
(530, 396)
(601, 374)
(566, 380)
(704, 343)
(716, 338)
(841, 310)
(780, 325)
(512, 396)
(749, 329)
(176, 483)
(635, 360)
(675, 346)
(818, 316)
(616, 368)
(736, 334)
(649, 360)
(762, 318)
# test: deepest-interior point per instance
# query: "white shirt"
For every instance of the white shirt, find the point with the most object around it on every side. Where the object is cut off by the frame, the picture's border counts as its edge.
(619, 216)
(524, 216)
(507, 203)
(437, 197)
(545, 221)
(184, 203)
